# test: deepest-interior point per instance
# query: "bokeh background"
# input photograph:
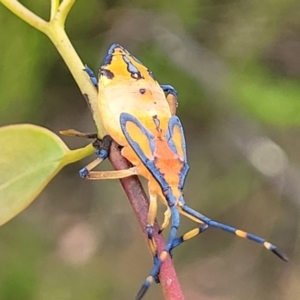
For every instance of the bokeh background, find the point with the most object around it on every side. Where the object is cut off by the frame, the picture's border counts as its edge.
(236, 66)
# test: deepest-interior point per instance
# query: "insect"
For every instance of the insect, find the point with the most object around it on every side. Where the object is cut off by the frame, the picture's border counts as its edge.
(140, 115)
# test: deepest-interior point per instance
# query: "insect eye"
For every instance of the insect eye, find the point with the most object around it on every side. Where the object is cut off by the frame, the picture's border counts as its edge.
(151, 74)
(142, 91)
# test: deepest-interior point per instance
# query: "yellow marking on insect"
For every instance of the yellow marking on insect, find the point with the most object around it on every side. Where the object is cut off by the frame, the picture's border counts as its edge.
(192, 233)
(241, 233)
(173, 103)
(120, 92)
(178, 141)
(267, 245)
(139, 137)
(117, 174)
(164, 255)
(120, 67)
(189, 216)
(167, 216)
(152, 246)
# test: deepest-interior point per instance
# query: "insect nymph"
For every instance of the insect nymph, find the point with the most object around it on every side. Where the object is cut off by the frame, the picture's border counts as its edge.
(139, 114)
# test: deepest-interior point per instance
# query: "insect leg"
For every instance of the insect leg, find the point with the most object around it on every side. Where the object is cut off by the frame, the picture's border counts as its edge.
(150, 223)
(98, 175)
(102, 150)
(92, 76)
(188, 235)
(237, 232)
(164, 254)
(171, 96)
(73, 132)
(167, 216)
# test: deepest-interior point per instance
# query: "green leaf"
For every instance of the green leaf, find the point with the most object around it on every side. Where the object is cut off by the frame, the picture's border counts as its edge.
(30, 156)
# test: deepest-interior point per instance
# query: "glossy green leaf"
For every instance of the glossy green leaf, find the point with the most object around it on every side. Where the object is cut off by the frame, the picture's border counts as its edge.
(30, 156)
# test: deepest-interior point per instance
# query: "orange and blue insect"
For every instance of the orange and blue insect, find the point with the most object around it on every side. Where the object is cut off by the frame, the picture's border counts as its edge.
(140, 115)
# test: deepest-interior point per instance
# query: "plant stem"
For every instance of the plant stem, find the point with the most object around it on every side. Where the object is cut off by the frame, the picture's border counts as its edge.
(140, 204)
(25, 14)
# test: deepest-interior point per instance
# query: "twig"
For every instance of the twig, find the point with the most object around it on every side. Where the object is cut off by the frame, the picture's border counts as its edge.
(140, 203)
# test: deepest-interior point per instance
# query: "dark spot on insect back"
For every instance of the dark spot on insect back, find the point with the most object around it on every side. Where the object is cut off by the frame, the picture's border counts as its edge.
(107, 73)
(157, 123)
(136, 75)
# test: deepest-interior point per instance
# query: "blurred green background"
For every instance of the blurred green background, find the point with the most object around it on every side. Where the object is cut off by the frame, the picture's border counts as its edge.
(236, 66)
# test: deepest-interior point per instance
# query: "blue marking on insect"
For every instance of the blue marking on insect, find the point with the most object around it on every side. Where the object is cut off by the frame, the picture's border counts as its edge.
(83, 172)
(178, 241)
(149, 229)
(233, 230)
(125, 117)
(135, 73)
(150, 164)
(107, 60)
(183, 173)
(174, 121)
(112, 48)
(137, 60)
(169, 89)
(171, 144)
(91, 75)
(102, 153)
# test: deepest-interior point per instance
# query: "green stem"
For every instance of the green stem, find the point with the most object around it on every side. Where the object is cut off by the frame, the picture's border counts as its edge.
(78, 154)
(54, 8)
(25, 14)
(62, 43)
(64, 10)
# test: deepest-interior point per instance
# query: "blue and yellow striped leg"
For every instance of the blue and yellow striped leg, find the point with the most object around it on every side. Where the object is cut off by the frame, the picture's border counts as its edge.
(188, 235)
(237, 232)
(164, 254)
(92, 76)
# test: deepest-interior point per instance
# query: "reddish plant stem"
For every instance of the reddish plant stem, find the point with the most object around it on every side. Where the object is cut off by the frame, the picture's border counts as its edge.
(140, 204)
